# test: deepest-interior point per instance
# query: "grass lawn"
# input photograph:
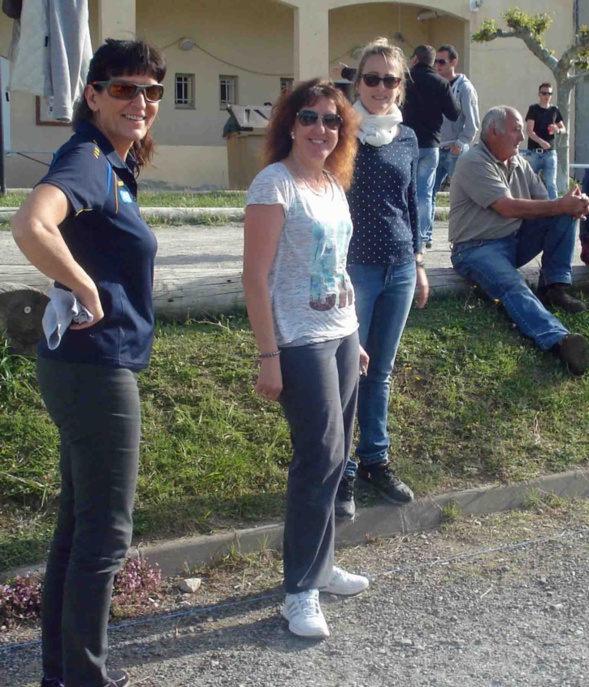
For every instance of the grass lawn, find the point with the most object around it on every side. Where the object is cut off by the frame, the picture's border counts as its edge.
(472, 402)
(214, 199)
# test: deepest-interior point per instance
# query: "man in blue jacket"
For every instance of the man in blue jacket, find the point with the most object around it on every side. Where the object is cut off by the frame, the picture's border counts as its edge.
(428, 101)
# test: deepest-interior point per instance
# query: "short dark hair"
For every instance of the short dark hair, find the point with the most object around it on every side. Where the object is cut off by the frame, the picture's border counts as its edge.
(425, 54)
(278, 142)
(546, 84)
(123, 58)
(450, 49)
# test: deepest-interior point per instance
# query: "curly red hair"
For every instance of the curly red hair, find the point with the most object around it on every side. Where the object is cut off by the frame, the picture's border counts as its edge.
(278, 142)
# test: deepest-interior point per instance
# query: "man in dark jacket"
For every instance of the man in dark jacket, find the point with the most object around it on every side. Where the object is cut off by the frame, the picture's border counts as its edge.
(428, 99)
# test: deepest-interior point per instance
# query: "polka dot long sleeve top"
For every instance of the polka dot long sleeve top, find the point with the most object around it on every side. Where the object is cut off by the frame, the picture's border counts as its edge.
(383, 203)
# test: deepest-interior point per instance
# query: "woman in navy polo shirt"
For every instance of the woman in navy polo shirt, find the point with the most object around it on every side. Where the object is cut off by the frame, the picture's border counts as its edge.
(385, 261)
(81, 226)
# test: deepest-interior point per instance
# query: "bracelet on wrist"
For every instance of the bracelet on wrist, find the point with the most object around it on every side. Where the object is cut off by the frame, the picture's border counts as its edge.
(272, 354)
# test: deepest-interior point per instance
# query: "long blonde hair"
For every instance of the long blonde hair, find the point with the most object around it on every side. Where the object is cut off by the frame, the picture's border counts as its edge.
(382, 46)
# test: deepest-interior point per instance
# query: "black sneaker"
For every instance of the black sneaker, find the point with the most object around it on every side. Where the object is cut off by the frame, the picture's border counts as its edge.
(557, 296)
(345, 508)
(117, 678)
(574, 351)
(384, 480)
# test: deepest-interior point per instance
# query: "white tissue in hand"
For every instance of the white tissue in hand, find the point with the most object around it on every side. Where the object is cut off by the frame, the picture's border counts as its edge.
(63, 309)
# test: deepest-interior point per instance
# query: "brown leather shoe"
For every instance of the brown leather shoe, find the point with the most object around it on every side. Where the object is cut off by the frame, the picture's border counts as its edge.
(574, 352)
(557, 296)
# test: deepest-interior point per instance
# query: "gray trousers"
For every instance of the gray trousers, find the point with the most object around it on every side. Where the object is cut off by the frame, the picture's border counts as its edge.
(320, 389)
(96, 409)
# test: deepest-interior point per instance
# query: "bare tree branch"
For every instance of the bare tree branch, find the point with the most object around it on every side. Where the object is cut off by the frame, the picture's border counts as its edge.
(578, 49)
(536, 47)
(572, 81)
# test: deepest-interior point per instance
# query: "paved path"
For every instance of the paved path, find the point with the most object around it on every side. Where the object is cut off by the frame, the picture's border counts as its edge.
(496, 602)
(220, 247)
(214, 247)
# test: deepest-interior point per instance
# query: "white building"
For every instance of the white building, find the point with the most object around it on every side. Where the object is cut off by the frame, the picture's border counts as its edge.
(245, 51)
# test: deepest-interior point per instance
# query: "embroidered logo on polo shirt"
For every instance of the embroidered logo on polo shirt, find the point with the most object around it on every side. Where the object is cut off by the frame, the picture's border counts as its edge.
(96, 151)
(125, 196)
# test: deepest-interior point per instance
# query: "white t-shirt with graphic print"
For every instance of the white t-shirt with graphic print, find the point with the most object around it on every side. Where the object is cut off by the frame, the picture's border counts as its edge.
(312, 295)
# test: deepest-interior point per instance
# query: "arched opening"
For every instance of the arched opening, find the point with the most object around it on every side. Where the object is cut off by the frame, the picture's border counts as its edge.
(406, 25)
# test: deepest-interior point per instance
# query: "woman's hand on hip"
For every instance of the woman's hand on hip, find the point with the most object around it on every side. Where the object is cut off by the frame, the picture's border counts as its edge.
(91, 301)
(422, 287)
(269, 384)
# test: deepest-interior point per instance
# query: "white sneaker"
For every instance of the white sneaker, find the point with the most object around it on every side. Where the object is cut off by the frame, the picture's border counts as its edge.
(304, 614)
(345, 583)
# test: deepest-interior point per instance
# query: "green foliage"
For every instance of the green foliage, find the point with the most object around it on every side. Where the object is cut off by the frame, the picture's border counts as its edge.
(471, 402)
(213, 199)
(452, 512)
(487, 32)
(541, 501)
(518, 21)
(536, 24)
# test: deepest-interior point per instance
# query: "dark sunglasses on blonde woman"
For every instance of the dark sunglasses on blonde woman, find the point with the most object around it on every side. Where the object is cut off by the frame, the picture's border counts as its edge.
(310, 118)
(372, 80)
(127, 90)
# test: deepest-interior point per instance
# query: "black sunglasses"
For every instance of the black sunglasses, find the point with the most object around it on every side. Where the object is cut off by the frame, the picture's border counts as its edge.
(310, 118)
(545, 92)
(127, 90)
(372, 80)
(441, 60)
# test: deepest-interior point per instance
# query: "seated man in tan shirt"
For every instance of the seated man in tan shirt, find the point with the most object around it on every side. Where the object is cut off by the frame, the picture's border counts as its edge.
(500, 219)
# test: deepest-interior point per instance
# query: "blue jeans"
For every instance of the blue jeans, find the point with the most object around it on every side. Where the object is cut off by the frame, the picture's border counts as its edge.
(383, 301)
(426, 175)
(493, 264)
(584, 224)
(546, 163)
(445, 169)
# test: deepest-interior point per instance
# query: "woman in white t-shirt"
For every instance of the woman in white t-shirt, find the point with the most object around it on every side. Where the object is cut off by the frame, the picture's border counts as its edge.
(300, 304)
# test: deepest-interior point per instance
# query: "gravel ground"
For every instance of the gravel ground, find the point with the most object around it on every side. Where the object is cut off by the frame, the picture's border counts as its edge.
(492, 602)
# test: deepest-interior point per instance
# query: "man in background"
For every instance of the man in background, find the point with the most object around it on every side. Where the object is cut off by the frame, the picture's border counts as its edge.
(543, 123)
(501, 219)
(428, 100)
(457, 136)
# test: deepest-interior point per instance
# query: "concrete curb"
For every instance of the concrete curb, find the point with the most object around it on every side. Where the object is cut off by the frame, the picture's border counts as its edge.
(423, 514)
(196, 215)
(380, 521)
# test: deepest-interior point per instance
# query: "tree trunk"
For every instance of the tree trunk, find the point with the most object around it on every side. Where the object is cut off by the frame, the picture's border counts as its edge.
(21, 312)
(562, 141)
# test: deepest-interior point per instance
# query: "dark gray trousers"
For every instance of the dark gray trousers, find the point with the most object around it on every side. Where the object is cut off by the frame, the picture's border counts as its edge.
(320, 389)
(96, 409)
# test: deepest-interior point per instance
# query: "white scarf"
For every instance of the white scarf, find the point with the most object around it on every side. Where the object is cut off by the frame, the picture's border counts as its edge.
(377, 130)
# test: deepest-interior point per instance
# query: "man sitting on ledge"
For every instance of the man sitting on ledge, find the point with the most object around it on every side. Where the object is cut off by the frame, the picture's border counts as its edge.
(500, 219)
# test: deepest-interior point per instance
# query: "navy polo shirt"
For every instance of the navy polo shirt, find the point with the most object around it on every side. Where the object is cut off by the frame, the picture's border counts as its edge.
(108, 238)
(383, 203)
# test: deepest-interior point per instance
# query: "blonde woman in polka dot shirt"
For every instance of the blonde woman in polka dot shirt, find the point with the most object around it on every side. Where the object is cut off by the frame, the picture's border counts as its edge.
(385, 260)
